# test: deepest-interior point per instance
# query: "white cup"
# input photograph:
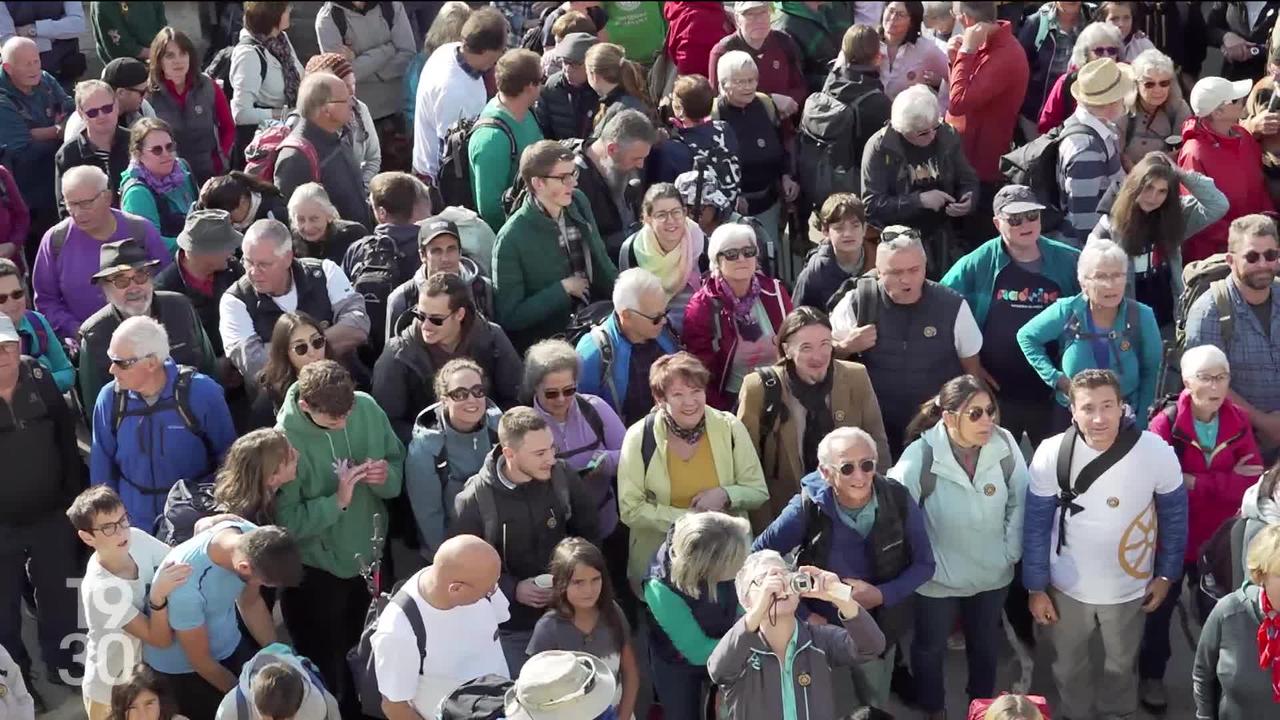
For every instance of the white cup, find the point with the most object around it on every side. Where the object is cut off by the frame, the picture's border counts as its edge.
(543, 581)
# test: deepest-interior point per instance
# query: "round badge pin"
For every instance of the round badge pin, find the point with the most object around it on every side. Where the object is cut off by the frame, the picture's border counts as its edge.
(930, 331)
(989, 490)
(760, 142)
(551, 523)
(1124, 346)
(804, 680)
(839, 416)
(1113, 502)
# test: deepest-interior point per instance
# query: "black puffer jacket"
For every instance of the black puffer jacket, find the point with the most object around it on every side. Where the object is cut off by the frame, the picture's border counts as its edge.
(563, 111)
(609, 221)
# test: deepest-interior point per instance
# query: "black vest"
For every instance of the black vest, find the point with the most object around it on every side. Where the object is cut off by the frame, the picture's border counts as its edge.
(313, 298)
(194, 124)
(172, 310)
(206, 306)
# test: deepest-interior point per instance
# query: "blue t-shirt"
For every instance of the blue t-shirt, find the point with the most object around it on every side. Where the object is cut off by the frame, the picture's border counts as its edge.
(208, 598)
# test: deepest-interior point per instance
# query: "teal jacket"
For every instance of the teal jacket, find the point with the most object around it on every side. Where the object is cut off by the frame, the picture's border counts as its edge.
(43, 345)
(974, 275)
(1133, 352)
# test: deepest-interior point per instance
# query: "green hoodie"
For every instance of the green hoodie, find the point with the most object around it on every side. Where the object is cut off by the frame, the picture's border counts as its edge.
(308, 506)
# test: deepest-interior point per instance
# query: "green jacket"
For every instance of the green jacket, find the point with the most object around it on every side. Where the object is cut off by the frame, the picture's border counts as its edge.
(123, 29)
(528, 265)
(492, 169)
(818, 33)
(308, 507)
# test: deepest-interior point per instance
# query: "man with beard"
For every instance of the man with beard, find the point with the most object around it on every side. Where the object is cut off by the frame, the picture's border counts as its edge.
(126, 279)
(609, 175)
(1239, 315)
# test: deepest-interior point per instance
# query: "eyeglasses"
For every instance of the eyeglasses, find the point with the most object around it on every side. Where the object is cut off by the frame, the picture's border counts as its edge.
(732, 254)
(86, 203)
(866, 466)
(927, 131)
(1107, 278)
(1107, 51)
(126, 363)
(15, 295)
(316, 343)
(165, 149)
(567, 392)
(122, 281)
(665, 215)
(343, 101)
(1153, 84)
(460, 394)
(261, 265)
(1218, 379)
(743, 82)
(1254, 256)
(975, 413)
(1016, 219)
(566, 178)
(111, 528)
(95, 112)
(655, 319)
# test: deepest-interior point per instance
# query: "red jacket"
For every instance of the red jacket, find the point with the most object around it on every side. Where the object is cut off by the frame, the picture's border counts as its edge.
(1235, 164)
(693, 28)
(700, 331)
(15, 220)
(987, 89)
(1060, 103)
(1218, 490)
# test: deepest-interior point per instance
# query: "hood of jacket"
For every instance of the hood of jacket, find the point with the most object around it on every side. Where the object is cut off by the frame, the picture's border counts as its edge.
(1257, 507)
(314, 703)
(848, 82)
(431, 421)
(467, 270)
(303, 432)
(405, 237)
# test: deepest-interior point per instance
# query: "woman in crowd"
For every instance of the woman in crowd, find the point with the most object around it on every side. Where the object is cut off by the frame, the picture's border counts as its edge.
(1220, 461)
(15, 217)
(318, 230)
(1098, 328)
(1150, 219)
(1236, 675)
(102, 142)
(754, 120)
(450, 442)
(775, 50)
(157, 185)
(1261, 505)
(694, 132)
(907, 59)
(1134, 42)
(192, 104)
(245, 198)
(265, 70)
(670, 246)
(1097, 40)
(36, 335)
(257, 465)
(731, 321)
(619, 82)
(683, 457)
(969, 476)
(583, 617)
(1008, 707)
(691, 577)
(790, 406)
(360, 134)
(897, 192)
(842, 220)
(144, 695)
(297, 340)
(1157, 112)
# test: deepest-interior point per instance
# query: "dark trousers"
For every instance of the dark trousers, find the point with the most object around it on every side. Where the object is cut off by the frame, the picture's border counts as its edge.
(325, 615)
(935, 618)
(680, 687)
(1154, 653)
(1035, 418)
(616, 549)
(44, 552)
(196, 698)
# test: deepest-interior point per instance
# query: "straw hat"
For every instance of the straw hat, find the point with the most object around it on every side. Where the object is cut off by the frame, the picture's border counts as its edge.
(1102, 82)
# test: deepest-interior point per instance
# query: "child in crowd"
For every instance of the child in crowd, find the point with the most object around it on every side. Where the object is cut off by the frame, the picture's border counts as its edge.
(144, 696)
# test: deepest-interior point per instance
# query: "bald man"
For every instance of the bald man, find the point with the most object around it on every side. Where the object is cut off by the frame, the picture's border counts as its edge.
(461, 607)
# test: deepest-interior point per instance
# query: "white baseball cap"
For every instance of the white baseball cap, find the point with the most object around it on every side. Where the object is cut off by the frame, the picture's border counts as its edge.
(8, 333)
(1211, 93)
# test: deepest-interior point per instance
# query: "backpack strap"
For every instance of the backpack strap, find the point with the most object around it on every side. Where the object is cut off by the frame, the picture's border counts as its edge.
(442, 457)
(1238, 528)
(593, 418)
(58, 238)
(772, 405)
(1008, 463)
(500, 124)
(648, 441)
(303, 146)
(928, 479)
(605, 344)
(1226, 311)
(182, 398)
(242, 704)
(39, 336)
(1067, 491)
(716, 307)
(560, 486)
(868, 310)
(409, 607)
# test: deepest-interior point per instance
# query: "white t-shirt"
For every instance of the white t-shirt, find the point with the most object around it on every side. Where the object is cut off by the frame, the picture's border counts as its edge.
(446, 94)
(1111, 544)
(110, 603)
(235, 325)
(968, 336)
(462, 644)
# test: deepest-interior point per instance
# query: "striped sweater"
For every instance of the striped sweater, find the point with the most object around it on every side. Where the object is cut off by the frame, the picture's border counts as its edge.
(1088, 165)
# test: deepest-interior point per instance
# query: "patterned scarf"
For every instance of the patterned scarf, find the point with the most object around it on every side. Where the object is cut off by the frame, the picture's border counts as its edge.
(162, 185)
(742, 308)
(279, 47)
(1269, 644)
(691, 436)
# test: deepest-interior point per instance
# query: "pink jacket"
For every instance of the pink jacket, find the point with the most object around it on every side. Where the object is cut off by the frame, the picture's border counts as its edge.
(1218, 490)
(1059, 104)
(700, 331)
(15, 220)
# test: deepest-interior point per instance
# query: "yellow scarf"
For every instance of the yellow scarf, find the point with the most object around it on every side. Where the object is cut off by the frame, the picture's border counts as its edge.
(676, 269)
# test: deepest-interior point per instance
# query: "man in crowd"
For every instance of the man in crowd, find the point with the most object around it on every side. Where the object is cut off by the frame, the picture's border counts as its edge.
(617, 354)
(566, 102)
(490, 151)
(203, 270)
(129, 80)
(1089, 152)
(324, 101)
(126, 280)
(440, 250)
(230, 564)
(609, 175)
(461, 607)
(69, 253)
(451, 87)
(349, 463)
(523, 502)
(1241, 316)
(274, 283)
(1119, 492)
(930, 335)
(43, 474)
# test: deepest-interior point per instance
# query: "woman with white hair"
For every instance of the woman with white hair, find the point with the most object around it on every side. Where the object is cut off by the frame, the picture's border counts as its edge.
(1099, 328)
(915, 173)
(318, 230)
(907, 58)
(1220, 461)
(1098, 40)
(755, 121)
(731, 321)
(1156, 112)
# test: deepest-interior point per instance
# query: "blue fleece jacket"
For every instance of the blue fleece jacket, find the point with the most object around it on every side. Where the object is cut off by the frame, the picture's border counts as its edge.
(850, 553)
(31, 160)
(974, 275)
(592, 381)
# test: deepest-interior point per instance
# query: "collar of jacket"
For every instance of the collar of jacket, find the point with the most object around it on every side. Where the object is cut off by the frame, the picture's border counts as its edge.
(768, 287)
(1231, 425)
(946, 142)
(989, 455)
(530, 212)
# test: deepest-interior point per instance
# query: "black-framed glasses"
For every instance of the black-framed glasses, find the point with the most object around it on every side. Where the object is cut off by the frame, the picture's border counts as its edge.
(655, 319)
(567, 392)
(137, 277)
(316, 343)
(564, 178)
(927, 131)
(15, 295)
(96, 111)
(126, 363)
(976, 412)
(732, 254)
(1254, 256)
(164, 149)
(111, 528)
(665, 215)
(436, 320)
(86, 203)
(1016, 219)
(459, 394)
(866, 465)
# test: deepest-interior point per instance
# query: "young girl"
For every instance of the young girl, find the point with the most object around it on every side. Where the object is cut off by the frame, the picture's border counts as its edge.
(584, 618)
(144, 697)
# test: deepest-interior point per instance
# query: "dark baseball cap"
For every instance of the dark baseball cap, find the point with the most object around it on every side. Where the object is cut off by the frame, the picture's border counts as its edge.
(1015, 199)
(125, 72)
(433, 228)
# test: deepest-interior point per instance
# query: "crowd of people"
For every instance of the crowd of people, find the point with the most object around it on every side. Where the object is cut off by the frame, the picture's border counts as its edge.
(610, 359)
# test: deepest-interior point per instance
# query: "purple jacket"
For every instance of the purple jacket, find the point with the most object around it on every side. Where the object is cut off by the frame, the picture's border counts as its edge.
(576, 434)
(64, 290)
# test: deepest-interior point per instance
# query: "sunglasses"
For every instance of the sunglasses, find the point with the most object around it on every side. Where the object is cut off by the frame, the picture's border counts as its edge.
(316, 343)
(865, 466)
(733, 254)
(15, 295)
(139, 277)
(1153, 84)
(436, 320)
(460, 394)
(975, 413)
(655, 319)
(567, 392)
(1107, 51)
(1017, 219)
(95, 112)
(1254, 256)
(126, 363)
(164, 149)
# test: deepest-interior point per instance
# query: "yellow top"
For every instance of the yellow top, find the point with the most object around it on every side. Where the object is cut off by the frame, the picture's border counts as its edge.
(692, 476)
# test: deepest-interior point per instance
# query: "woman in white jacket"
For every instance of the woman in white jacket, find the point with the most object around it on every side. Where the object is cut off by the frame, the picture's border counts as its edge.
(265, 70)
(970, 479)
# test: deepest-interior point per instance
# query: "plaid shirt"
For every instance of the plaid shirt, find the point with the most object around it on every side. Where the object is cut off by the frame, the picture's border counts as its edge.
(1253, 354)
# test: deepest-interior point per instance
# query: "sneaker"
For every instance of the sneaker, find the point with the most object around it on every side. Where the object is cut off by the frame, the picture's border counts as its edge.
(1152, 695)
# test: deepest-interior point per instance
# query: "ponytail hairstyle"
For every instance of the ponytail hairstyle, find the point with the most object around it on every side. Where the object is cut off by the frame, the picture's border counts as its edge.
(951, 398)
(610, 62)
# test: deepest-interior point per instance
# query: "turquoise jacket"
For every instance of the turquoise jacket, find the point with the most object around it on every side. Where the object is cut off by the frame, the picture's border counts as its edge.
(47, 350)
(974, 526)
(974, 275)
(1133, 352)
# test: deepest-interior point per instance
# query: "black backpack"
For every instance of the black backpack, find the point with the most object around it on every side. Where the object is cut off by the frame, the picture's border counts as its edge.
(454, 177)
(1219, 565)
(714, 157)
(867, 304)
(361, 658)
(339, 16)
(219, 67)
(829, 145)
(1036, 166)
(483, 698)
(584, 319)
(376, 269)
(186, 504)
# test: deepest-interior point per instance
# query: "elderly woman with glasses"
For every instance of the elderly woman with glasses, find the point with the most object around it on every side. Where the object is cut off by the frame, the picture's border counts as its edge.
(670, 246)
(896, 190)
(1100, 328)
(157, 185)
(1098, 40)
(101, 142)
(731, 321)
(1156, 112)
